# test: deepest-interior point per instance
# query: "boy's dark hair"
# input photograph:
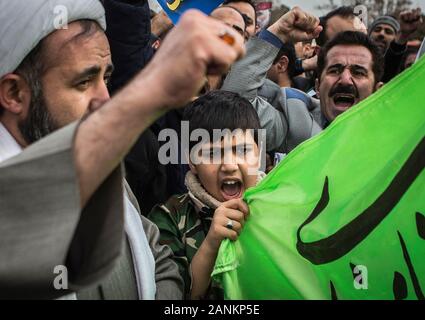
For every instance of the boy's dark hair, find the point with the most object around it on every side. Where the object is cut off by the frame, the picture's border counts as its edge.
(288, 50)
(221, 110)
(250, 2)
(343, 12)
(353, 38)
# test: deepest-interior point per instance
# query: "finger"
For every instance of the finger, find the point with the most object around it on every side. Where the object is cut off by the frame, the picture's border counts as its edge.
(317, 31)
(237, 204)
(224, 53)
(230, 214)
(306, 21)
(216, 54)
(236, 226)
(230, 234)
(232, 38)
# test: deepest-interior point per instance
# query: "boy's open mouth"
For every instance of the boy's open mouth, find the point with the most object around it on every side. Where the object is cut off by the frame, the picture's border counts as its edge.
(231, 189)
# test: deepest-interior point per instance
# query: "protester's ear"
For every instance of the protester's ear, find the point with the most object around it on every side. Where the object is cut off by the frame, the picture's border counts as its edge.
(15, 94)
(378, 85)
(282, 65)
(316, 87)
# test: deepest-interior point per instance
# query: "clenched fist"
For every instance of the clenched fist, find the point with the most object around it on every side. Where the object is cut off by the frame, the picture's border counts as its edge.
(234, 211)
(190, 51)
(296, 25)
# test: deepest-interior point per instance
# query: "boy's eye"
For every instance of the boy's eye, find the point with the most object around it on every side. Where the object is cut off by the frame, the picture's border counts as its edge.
(242, 151)
(215, 153)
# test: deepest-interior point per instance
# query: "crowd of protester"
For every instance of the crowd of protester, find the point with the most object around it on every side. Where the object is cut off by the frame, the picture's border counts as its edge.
(77, 103)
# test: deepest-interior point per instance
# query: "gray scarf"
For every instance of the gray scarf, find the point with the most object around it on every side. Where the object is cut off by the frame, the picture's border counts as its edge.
(200, 196)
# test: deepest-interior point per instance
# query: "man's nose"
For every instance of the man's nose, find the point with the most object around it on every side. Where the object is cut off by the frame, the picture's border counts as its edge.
(346, 77)
(382, 33)
(99, 98)
(102, 93)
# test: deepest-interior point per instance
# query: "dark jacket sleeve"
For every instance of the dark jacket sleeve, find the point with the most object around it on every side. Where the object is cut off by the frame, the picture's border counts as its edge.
(128, 31)
(145, 174)
(393, 58)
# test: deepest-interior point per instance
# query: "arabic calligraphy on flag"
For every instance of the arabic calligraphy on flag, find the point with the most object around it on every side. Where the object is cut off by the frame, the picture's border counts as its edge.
(343, 215)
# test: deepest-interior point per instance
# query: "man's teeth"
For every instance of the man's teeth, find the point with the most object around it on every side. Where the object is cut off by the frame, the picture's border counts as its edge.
(230, 182)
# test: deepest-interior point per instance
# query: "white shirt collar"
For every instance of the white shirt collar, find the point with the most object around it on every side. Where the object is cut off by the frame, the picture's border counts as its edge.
(8, 145)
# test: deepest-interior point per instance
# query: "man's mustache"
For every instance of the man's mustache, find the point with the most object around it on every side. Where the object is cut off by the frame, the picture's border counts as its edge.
(348, 89)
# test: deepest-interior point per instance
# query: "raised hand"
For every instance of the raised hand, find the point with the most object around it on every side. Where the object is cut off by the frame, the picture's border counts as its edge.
(410, 20)
(190, 51)
(296, 25)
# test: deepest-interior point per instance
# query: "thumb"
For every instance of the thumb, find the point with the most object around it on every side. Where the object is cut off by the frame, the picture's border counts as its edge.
(317, 31)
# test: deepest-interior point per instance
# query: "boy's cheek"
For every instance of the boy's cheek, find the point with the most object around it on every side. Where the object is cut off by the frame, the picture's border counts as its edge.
(250, 177)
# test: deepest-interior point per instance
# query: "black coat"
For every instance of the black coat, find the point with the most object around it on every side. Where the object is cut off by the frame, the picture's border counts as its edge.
(128, 32)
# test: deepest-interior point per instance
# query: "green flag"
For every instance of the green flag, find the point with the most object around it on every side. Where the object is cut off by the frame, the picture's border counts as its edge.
(343, 216)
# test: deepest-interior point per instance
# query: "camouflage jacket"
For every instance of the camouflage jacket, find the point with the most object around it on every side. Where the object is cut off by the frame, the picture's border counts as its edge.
(183, 226)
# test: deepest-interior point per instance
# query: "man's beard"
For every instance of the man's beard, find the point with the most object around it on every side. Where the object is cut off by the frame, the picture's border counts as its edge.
(39, 122)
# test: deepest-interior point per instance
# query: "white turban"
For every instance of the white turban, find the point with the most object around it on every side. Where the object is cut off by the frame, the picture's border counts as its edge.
(24, 23)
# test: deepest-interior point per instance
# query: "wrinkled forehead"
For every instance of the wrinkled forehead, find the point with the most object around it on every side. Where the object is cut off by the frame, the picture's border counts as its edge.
(349, 55)
(65, 43)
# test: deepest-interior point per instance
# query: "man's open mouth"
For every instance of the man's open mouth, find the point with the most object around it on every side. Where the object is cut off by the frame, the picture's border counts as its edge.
(231, 189)
(344, 100)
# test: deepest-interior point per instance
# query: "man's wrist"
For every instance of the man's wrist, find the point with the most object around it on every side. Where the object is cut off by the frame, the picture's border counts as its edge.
(299, 66)
(273, 29)
(211, 246)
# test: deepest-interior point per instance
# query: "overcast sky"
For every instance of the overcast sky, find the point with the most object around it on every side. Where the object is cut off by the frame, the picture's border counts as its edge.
(309, 5)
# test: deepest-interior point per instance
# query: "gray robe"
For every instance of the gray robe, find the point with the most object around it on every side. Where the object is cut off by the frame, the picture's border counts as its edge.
(289, 122)
(42, 226)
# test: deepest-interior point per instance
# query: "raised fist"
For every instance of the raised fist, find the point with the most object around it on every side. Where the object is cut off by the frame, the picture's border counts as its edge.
(296, 25)
(410, 20)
